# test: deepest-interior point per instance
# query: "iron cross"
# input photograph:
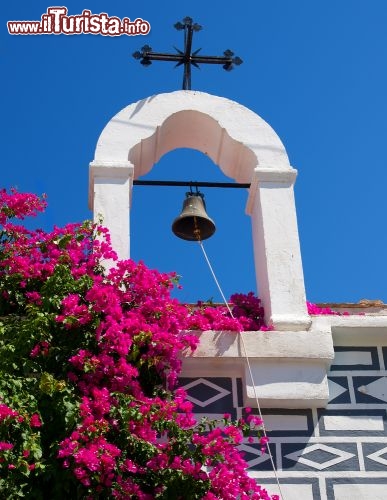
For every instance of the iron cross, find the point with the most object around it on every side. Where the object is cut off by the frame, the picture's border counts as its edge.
(187, 57)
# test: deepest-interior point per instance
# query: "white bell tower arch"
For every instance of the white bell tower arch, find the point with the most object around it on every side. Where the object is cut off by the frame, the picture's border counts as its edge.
(244, 147)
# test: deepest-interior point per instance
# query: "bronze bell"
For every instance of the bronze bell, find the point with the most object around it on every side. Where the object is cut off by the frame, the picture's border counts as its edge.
(193, 224)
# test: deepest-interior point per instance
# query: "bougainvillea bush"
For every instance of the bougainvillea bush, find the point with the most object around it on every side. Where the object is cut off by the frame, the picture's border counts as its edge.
(89, 361)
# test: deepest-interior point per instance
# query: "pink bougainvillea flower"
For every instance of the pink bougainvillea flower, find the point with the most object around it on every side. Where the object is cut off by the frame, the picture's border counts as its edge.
(5, 446)
(98, 352)
(35, 421)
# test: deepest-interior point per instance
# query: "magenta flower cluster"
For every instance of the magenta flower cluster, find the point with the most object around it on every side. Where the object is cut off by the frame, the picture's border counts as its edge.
(89, 364)
(247, 314)
(314, 309)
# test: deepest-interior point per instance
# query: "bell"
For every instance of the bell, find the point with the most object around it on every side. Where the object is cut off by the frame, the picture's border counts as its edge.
(193, 224)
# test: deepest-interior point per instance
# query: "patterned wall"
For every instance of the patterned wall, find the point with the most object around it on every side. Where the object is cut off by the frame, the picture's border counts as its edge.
(335, 453)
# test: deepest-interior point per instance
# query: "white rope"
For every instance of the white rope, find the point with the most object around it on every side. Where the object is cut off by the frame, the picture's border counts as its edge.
(215, 279)
(249, 369)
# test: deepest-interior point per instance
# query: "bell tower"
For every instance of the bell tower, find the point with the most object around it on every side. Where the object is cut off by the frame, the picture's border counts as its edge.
(244, 147)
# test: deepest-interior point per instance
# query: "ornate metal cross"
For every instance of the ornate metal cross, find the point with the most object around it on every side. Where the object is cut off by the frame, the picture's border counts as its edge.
(186, 57)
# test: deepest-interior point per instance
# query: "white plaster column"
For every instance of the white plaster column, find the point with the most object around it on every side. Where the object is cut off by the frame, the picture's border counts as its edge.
(110, 187)
(277, 253)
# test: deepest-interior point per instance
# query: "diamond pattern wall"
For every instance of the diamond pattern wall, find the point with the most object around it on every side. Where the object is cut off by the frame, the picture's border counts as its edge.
(333, 453)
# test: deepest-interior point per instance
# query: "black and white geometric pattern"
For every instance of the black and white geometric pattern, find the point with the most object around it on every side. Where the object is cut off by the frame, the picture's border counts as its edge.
(333, 453)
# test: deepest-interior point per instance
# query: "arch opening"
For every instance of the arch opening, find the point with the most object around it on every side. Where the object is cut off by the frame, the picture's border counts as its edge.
(229, 249)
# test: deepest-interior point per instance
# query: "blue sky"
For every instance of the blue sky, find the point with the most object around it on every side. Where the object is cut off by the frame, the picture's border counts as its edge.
(316, 71)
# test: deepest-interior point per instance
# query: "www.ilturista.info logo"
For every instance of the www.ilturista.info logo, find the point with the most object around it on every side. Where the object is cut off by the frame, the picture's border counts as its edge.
(56, 21)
